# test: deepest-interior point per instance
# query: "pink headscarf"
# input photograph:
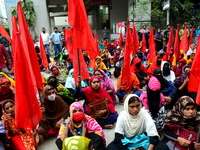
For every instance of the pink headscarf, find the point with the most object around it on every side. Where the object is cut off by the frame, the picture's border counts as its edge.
(154, 84)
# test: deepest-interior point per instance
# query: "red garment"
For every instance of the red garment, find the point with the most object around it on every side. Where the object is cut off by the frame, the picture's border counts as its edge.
(152, 46)
(3, 54)
(27, 109)
(93, 96)
(170, 42)
(191, 36)
(153, 66)
(165, 57)
(135, 41)
(184, 40)
(5, 33)
(120, 40)
(177, 70)
(144, 47)
(5, 91)
(68, 34)
(43, 53)
(134, 68)
(29, 49)
(176, 45)
(108, 46)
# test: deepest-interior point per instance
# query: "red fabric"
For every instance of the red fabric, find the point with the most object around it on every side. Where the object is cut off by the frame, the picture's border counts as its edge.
(18, 143)
(194, 78)
(43, 53)
(135, 41)
(5, 33)
(191, 36)
(153, 66)
(144, 47)
(82, 32)
(3, 54)
(152, 46)
(176, 45)
(165, 57)
(134, 68)
(68, 34)
(184, 40)
(14, 30)
(93, 96)
(170, 42)
(120, 40)
(178, 70)
(30, 52)
(128, 49)
(27, 109)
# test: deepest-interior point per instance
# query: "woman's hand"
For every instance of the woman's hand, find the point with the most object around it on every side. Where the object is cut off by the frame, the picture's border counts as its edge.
(58, 124)
(100, 113)
(42, 109)
(168, 100)
(183, 142)
(33, 133)
(196, 146)
(79, 79)
(7, 118)
(186, 81)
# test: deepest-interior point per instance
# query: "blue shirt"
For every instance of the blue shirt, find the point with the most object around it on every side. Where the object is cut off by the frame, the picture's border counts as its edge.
(56, 37)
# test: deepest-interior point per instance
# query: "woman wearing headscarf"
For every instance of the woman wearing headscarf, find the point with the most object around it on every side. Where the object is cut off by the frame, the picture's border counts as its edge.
(55, 71)
(94, 93)
(178, 68)
(189, 62)
(183, 114)
(101, 46)
(153, 100)
(21, 138)
(155, 64)
(167, 88)
(63, 71)
(99, 64)
(61, 90)
(158, 40)
(140, 71)
(55, 110)
(168, 57)
(131, 125)
(192, 49)
(105, 55)
(117, 54)
(82, 125)
(168, 74)
(143, 59)
(3, 75)
(126, 87)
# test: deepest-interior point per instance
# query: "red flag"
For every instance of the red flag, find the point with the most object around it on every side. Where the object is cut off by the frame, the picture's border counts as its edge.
(135, 41)
(120, 40)
(27, 109)
(152, 46)
(191, 36)
(82, 32)
(184, 40)
(176, 45)
(43, 53)
(128, 50)
(144, 47)
(170, 42)
(68, 36)
(29, 49)
(5, 33)
(14, 30)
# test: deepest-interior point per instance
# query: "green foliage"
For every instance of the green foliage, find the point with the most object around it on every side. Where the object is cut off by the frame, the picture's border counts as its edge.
(7, 29)
(29, 12)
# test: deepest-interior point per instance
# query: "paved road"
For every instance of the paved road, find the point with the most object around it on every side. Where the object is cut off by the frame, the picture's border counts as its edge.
(49, 143)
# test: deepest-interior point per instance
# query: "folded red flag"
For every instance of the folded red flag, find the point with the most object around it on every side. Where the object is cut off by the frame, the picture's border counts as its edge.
(43, 53)
(120, 39)
(184, 40)
(135, 41)
(27, 109)
(152, 46)
(170, 42)
(144, 47)
(68, 34)
(5, 33)
(176, 45)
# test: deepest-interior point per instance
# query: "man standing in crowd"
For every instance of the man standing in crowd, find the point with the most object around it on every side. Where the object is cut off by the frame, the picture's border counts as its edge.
(182, 31)
(105, 33)
(46, 40)
(62, 37)
(56, 40)
(167, 33)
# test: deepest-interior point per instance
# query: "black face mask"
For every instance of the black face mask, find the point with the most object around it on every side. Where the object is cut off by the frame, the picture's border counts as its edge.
(159, 77)
(43, 31)
(53, 84)
(138, 65)
(158, 62)
(166, 71)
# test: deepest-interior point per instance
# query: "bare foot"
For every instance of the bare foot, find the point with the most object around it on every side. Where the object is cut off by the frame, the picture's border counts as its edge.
(108, 126)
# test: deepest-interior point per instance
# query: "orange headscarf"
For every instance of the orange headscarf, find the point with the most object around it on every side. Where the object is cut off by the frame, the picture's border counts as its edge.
(153, 66)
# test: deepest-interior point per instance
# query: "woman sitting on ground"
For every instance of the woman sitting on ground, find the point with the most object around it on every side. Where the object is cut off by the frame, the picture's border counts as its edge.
(143, 59)
(106, 83)
(80, 124)
(189, 62)
(61, 69)
(106, 58)
(155, 64)
(55, 110)
(183, 114)
(132, 124)
(20, 138)
(153, 100)
(100, 65)
(178, 68)
(55, 71)
(94, 93)
(61, 90)
(168, 74)
(168, 57)
(3, 75)
(117, 54)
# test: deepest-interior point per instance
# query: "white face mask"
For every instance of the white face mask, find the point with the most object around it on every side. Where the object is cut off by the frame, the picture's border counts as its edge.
(51, 97)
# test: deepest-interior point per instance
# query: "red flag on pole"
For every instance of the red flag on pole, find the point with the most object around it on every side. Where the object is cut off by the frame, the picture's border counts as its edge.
(29, 49)
(135, 41)
(128, 50)
(68, 33)
(5, 33)
(43, 53)
(184, 40)
(120, 40)
(152, 46)
(144, 47)
(170, 42)
(27, 109)
(14, 30)
(176, 45)
(191, 36)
